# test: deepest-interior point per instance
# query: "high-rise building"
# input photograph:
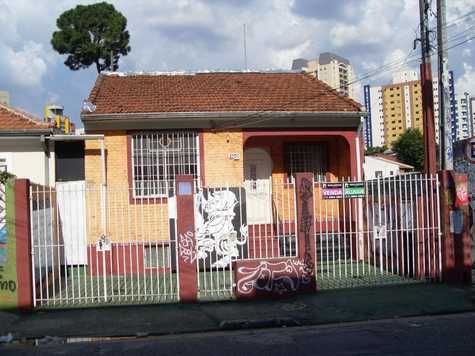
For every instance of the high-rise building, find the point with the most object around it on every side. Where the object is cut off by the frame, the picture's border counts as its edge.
(402, 109)
(462, 118)
(453, 106)
(330, 68)
(374, 122)
(394, 108)
(405, 76)
(472, 115)
(299, 64)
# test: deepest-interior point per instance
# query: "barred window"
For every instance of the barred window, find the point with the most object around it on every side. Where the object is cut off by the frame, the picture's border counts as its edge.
(158, 157)
(306, 157)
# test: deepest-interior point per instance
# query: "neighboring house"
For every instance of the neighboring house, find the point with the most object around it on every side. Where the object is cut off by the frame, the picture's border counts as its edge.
(384, 165)
(24, 150)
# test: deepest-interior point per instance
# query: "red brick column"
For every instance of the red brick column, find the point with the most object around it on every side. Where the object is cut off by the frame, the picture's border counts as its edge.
(23, 244)
(305, 224)
(186, 240)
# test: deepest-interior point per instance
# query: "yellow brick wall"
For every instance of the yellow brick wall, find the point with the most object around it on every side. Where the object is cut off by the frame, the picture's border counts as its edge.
(219, 170)
(146, 220)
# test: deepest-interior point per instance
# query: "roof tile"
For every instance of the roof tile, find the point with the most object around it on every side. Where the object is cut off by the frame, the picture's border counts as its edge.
(216, 92)
(16, 119)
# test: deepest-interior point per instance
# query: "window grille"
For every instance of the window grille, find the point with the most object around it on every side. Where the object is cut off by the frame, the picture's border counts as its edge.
(306, 157)
(159, 156)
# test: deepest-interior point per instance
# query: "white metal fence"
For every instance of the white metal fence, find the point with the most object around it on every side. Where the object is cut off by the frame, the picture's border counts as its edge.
(94, 245)
(391, 234)
(85, 254)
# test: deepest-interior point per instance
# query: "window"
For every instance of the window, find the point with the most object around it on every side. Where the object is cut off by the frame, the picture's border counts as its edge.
(158, 157)
(378, 174)
(156, 256)
(306, 157)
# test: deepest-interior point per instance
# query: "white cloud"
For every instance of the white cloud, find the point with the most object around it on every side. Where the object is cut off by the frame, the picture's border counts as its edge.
(25, 67)
(466, 83)
(207, 34)
(281, 58)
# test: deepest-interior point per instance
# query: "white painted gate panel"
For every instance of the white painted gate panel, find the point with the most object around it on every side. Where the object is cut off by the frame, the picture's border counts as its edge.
(71, 200)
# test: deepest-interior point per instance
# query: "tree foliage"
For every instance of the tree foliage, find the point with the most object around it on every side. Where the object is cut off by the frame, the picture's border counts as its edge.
(92, 34)
(372, 150)
(409, 148)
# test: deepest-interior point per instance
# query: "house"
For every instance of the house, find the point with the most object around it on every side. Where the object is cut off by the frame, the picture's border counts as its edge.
(381, 165)
(24, 150)
(250, 132)
(220, 185)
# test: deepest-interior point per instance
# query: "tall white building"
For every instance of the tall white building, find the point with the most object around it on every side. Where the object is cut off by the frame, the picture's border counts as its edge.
(330, 68)
(462, 120)
(405, 76)
(472, 116)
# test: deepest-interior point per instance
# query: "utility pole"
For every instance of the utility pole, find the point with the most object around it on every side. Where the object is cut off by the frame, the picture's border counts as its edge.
(430, 164)
(445, 133)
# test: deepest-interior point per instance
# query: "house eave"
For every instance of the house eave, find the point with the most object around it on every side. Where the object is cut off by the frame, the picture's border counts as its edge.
(221, 120)
(25, 133)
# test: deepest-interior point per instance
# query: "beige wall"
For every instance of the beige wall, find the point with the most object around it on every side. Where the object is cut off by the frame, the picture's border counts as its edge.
(128, 219)
(219, 169)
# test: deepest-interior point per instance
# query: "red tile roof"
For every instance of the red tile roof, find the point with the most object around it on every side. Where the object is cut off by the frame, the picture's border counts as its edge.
(17, 120)
(216, 92)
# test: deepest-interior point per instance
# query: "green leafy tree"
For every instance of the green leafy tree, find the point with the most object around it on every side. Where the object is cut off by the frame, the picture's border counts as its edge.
(92, 34)
(409, 148)
(372, 150)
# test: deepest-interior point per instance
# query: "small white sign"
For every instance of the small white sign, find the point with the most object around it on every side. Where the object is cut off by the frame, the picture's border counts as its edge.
(104, 244)
(234, 156)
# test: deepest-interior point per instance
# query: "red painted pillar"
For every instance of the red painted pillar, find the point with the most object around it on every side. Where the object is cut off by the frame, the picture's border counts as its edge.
(448, 252)
(23, 244)
(186, 240)
(305, 225)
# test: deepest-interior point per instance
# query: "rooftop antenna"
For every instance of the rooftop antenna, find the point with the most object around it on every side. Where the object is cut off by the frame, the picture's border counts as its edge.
(245, 47)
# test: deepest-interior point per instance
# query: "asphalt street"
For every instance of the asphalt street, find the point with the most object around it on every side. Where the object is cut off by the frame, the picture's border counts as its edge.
(436, 335)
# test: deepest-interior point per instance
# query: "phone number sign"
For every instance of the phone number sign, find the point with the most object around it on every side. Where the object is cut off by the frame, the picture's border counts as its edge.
(346, 190)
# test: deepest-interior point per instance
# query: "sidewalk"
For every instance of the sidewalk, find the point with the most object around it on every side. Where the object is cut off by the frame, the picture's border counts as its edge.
(320, 308)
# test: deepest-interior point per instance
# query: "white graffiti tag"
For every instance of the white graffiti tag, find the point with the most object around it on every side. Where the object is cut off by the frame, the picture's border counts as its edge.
(187, 248)
(215, 230)
(279, 277)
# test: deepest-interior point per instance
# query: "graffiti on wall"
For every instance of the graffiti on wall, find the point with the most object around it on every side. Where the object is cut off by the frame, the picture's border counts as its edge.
(306, 221)
(215, 230)
(279, 278)
(186, 247)
(8, 276)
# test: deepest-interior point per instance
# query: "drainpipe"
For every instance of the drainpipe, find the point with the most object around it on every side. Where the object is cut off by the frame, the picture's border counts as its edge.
(358, 151)
(359, 201)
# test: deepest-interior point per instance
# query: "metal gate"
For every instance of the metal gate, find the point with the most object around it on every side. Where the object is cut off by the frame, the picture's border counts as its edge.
(117, 245)
(92, 246)
(389, 233)
(224, 233)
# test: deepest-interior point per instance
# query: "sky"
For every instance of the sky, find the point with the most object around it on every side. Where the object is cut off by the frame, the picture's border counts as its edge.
(198, 35)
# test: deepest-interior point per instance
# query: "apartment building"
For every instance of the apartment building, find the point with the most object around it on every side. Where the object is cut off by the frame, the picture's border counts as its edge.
(330, 68)
(396, 107)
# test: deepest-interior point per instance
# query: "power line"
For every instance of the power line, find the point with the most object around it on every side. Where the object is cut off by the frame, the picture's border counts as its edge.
(250, 119)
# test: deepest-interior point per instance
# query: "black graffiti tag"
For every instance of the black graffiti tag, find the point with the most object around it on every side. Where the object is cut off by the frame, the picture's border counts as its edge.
(306, 220)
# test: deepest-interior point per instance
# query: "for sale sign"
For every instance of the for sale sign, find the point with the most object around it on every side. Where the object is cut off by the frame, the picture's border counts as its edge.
(332, 190)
